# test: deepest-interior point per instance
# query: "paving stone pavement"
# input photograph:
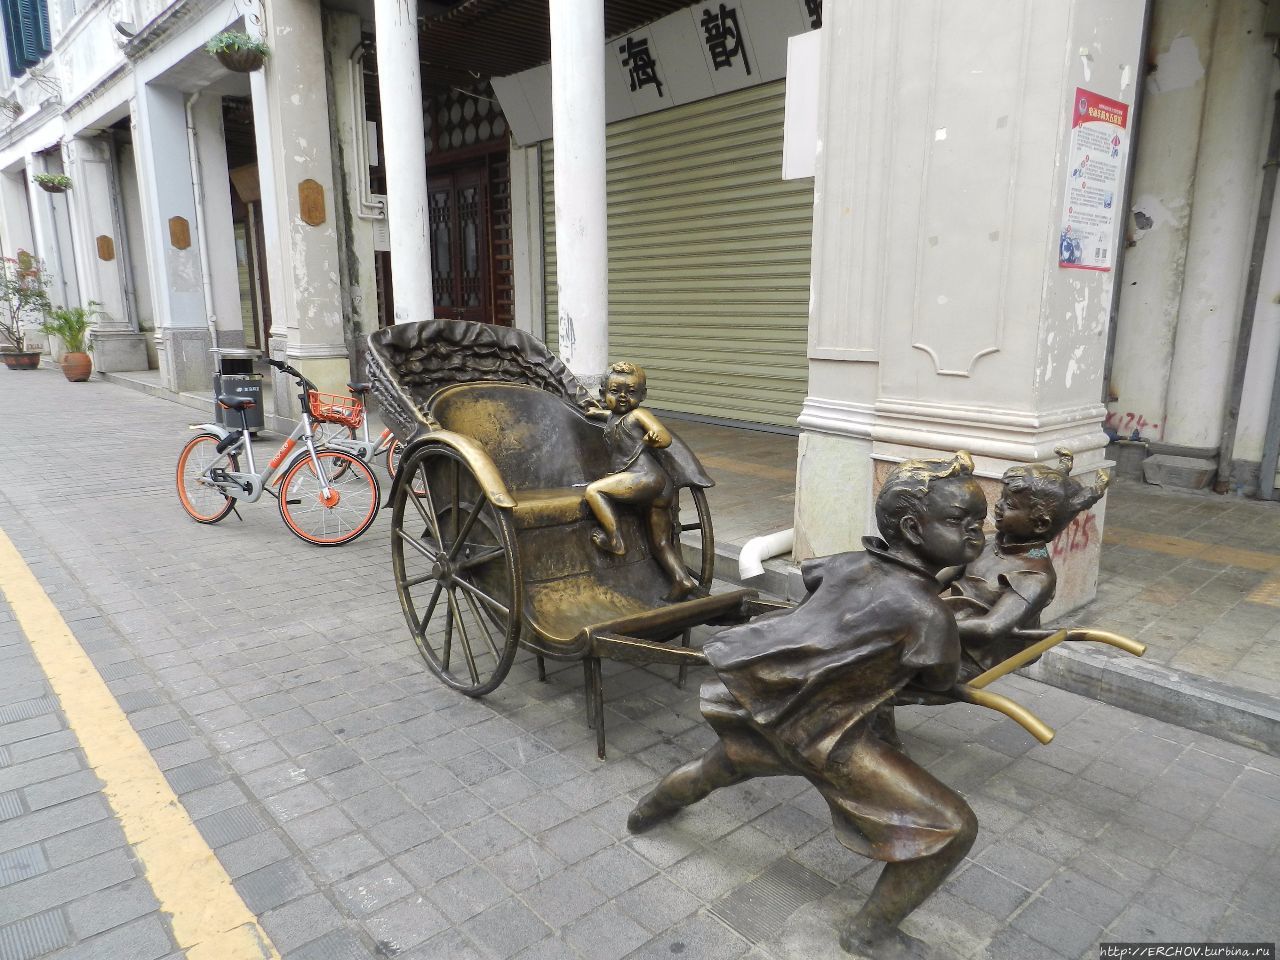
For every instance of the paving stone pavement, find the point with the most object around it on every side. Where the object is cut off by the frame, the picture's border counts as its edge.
(364, 810)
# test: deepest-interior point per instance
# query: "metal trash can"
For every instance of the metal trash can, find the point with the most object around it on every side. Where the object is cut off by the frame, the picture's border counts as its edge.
(237, 378)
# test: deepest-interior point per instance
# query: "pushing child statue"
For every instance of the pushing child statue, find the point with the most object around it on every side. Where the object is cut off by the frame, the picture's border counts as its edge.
(795, 692)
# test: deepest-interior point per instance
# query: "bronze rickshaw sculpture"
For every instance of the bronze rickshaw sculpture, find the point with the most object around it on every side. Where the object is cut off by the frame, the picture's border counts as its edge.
(491, 533)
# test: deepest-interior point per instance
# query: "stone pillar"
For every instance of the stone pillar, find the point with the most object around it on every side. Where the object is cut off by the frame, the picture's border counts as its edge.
(116, 343)
(215, 203)
(1159, 216)
(51, 231)
(404, 141)
(577, 109)
(940, 318)
(295, 173)
(173, 246)
(1224, 208)
(15, 213)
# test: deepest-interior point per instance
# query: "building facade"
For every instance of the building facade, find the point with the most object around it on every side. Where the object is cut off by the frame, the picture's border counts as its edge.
(890, 226)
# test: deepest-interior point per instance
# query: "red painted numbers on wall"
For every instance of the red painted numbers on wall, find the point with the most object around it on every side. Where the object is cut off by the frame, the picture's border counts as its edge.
(1124, 423)
(1077, 537)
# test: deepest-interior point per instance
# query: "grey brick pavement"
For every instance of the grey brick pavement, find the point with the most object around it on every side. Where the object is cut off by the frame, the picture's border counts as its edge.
(364, 810)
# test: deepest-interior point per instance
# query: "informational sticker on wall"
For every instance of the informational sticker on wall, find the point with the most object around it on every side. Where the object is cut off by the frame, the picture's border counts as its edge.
(1099, 126)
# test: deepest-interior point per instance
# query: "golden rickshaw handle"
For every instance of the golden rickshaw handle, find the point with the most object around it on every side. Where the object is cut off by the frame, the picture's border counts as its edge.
(974, 692)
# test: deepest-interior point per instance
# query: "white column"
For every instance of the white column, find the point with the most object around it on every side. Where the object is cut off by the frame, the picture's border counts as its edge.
(940, 318)
(405, 142)
(172, 241)
(582, 252)
(98, 253)
(51, 230)
(15, 214)
(299, 206)
(1227, 178)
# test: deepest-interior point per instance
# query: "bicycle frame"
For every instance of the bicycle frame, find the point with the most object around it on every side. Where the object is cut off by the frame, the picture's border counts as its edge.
(363, 448)
(249, 485)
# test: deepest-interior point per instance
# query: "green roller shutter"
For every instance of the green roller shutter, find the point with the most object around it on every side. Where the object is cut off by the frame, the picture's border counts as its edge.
(708, 257)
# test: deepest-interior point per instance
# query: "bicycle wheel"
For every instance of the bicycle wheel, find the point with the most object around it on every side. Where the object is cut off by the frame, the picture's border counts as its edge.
(394, 452)
(346, 513)
(204, 502)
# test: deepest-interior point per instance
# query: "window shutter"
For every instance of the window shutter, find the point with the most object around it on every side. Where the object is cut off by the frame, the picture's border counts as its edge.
(26, 28)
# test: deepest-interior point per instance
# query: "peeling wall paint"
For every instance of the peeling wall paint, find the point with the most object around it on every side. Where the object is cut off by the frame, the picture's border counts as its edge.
(1178, 67)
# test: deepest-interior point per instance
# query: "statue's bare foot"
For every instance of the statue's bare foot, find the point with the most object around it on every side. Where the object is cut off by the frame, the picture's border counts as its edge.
(608, 544)
(649, 813)
(681, 589)
(895, 945)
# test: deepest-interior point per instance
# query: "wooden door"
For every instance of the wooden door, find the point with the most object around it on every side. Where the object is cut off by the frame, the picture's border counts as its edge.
(461, 252)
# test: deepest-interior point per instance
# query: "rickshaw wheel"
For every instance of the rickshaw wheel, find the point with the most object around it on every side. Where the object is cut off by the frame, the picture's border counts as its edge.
(453, 554)
(706, 571)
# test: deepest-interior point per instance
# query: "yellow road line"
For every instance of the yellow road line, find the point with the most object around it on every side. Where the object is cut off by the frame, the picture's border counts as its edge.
(210, 920)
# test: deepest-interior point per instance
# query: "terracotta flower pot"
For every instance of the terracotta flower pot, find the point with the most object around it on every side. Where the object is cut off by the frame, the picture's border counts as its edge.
(21, 359)
(240, 61)
(76, 367)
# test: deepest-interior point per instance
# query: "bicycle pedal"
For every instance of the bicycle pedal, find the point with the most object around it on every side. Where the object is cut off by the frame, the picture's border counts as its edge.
(292, 502)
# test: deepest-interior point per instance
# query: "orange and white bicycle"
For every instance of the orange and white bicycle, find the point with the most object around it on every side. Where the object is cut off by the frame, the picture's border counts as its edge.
(327, 497)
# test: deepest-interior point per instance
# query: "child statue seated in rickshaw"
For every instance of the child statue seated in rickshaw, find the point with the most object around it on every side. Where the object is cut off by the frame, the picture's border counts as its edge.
(635, 475)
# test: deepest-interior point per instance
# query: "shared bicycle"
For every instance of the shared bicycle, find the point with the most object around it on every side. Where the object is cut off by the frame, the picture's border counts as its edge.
(326, 496)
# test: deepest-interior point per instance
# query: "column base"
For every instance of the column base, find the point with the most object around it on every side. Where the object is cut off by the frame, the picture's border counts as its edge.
(185, 361)
(117, 351)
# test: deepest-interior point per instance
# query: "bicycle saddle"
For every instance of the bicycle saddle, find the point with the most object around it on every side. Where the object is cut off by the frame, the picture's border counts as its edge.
(236, 403)
(359, 388)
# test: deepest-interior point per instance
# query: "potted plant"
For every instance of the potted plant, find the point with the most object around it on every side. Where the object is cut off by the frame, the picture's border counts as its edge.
(23, 281)
(53, 182)
(71, 326)
(238, 51)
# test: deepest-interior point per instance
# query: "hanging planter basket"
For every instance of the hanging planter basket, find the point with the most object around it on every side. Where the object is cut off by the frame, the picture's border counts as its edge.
(241, 61)
(51, 183)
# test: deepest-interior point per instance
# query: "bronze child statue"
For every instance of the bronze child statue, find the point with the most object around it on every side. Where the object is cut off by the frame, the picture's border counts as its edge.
(635, 475)
(794, 694)
(1011, 583)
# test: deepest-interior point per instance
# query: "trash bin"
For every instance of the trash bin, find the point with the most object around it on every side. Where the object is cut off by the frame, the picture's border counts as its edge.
(237, 378)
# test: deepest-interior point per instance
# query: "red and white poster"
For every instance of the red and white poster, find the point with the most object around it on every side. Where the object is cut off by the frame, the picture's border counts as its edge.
(1099, 126)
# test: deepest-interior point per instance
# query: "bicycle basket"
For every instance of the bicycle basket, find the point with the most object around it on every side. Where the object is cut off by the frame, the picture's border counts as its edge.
(331, 408)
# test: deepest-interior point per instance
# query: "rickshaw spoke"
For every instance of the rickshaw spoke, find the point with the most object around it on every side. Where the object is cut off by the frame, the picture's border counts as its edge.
(467, 652)
(479, 594)
(417, 505)
(488, 635)
(481, 558)
(432, 517)
(448, 632)
(457, 483)
(431, 608)
(417, 545)
(419, 580)
(466, 529)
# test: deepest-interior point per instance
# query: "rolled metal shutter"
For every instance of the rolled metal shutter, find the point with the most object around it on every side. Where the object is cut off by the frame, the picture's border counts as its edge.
(708, 257)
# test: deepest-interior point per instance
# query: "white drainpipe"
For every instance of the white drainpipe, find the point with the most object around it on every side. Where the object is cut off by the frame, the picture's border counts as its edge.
(759, 549)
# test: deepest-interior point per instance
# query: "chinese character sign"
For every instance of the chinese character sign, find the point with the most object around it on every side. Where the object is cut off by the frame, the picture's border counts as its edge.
(642, 69)
(1095, 160)
(723, 38)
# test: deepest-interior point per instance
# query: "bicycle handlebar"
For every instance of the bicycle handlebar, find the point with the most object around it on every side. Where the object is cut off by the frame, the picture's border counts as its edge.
(285, 368)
